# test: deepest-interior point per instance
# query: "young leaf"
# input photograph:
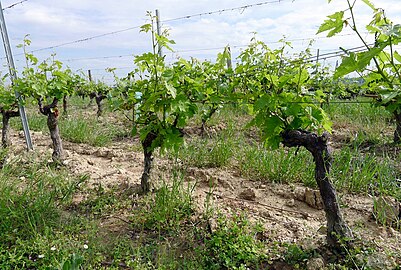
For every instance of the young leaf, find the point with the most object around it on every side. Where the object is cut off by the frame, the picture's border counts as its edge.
(367, 2)
(397, 56)
(171, 90)
(364, 58)
(146, 28)
(334, 24)
(348, 65)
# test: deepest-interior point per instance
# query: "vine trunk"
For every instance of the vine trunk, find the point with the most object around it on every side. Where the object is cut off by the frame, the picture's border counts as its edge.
(337, 229)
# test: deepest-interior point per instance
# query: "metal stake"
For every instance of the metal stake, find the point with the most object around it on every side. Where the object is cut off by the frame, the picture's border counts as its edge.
(159, 31)
(13, 76)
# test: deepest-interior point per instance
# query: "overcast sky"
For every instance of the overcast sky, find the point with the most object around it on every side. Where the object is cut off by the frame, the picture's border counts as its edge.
(54, 22)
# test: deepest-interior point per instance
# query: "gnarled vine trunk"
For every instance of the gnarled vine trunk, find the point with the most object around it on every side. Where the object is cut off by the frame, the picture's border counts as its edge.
(65, 106)
(99, 98)
(51, 111)
(148, 158)
(91, 97)
(397, 132)
(337, 229)
(5, 135)
(206, 117)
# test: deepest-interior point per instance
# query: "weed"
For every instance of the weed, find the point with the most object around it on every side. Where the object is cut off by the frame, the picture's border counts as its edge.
(203, 153)
(167, 207)
(297, 256)
(232, 245)
(280, 166)
(363, 173)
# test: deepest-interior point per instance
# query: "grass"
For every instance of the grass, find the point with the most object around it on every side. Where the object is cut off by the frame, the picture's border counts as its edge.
(42, 227)
(369, 174)
(167, 207)
(79, 126)
(32, 223)
(279, 166)
(206, 153)
(364, 123)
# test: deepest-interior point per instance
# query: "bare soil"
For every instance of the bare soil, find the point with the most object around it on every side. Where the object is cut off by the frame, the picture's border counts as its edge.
(289, 213)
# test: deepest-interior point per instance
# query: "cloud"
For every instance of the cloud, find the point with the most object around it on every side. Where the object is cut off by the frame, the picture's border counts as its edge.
(51, 23)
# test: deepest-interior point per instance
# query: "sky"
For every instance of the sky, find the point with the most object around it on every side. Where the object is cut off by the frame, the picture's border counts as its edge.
(99, 34)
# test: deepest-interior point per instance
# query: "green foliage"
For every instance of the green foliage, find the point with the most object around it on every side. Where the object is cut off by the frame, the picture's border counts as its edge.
(385, 76)
(233, 245)
(8, 100)
(87, 88)
(166, 209)
(159, 101)
(275, 88)
(73, 263)
(47, 79)
(297, 256)
(334, 24)
(164, 97)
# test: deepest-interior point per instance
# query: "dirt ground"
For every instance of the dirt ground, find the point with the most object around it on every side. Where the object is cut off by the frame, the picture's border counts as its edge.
(289, 213)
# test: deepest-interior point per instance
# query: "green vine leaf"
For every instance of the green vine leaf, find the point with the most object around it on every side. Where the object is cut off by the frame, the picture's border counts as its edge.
(334, 24)
(367, 2)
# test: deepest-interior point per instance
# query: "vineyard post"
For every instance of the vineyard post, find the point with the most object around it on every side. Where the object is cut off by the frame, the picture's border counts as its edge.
(317, 59)
(91, 95)
(89, 75)
(229, 59)
(158, 26)
(13, 76)
(159, 46)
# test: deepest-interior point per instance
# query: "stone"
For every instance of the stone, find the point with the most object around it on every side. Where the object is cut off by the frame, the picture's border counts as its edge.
(247, 194)
(225, 184)
(313, 198)
(290, 203)
(66, 162)
(315, 264)
(299, 194)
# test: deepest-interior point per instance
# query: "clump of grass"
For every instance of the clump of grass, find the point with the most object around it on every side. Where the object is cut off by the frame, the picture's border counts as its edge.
(100, 202)
(29, 198)
(167, 207)
(31, 220)
(233, 245)
(366, 173)
(86, 131)
(368, 124)
(203, 153)
(278, 166)
(79, 129)
(361, 114)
